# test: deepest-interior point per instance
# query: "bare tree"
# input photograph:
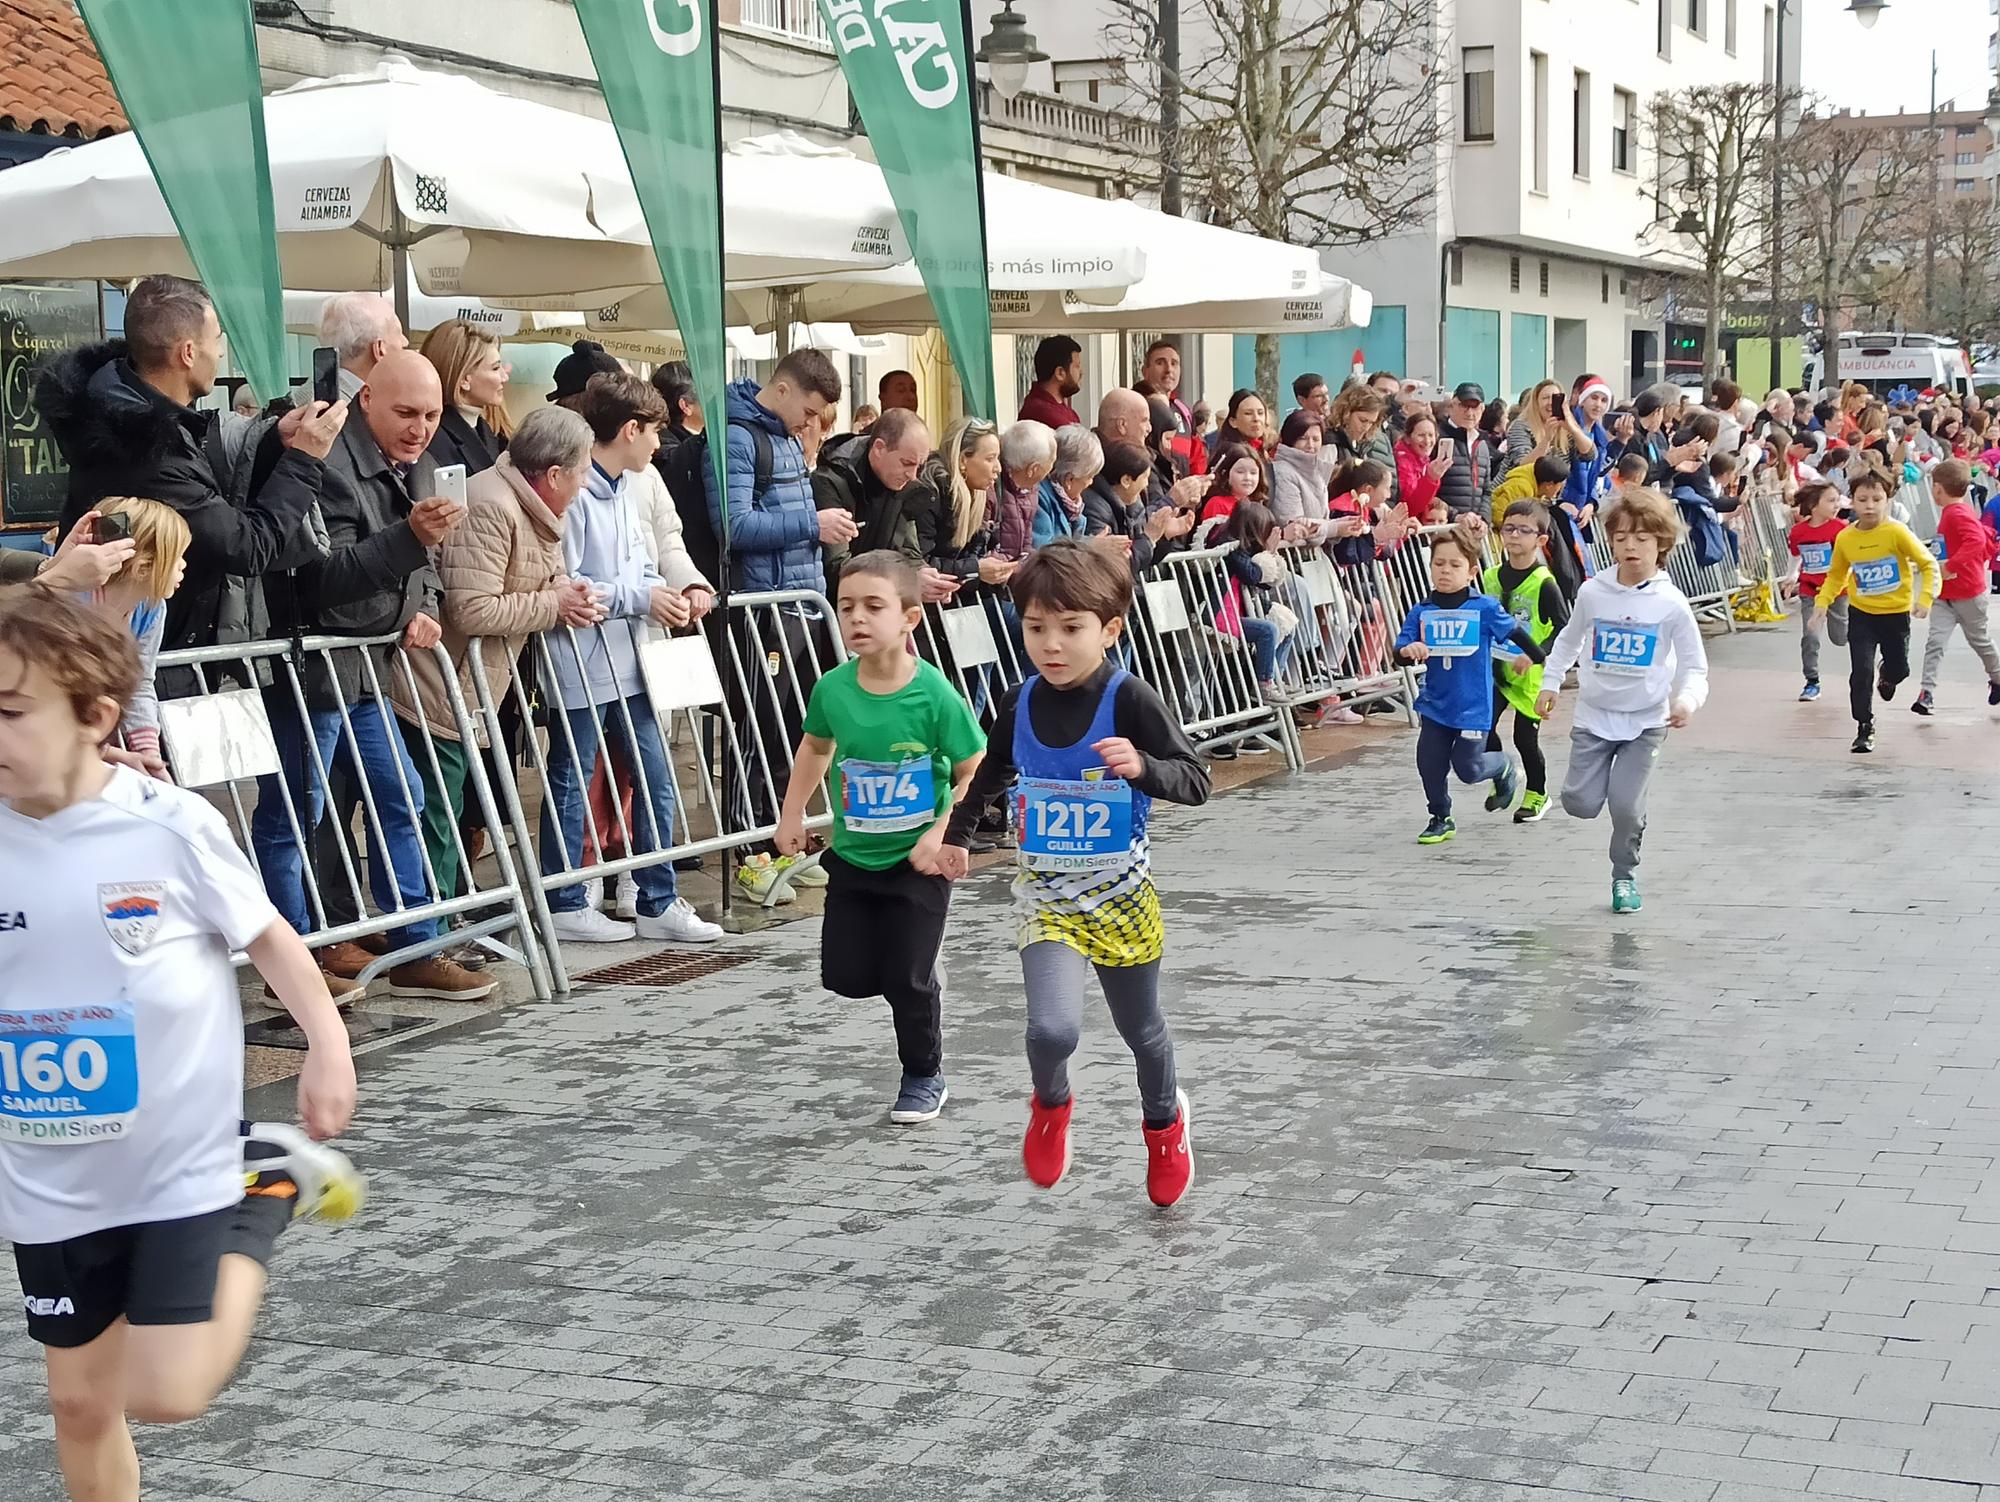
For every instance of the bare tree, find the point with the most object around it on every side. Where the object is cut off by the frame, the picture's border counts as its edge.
(1711, 150)
(1850, 186)
(1968, 258)
(1319, 124)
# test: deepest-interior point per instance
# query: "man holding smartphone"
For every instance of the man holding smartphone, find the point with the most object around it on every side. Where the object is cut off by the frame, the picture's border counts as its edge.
(382, 521)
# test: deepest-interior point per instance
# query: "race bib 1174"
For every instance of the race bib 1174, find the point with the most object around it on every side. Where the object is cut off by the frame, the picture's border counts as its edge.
(1451, 633)
(881, 797)
(68, 1075)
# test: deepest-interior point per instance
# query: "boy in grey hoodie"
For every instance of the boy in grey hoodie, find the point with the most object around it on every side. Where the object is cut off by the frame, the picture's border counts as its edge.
(1642, 670)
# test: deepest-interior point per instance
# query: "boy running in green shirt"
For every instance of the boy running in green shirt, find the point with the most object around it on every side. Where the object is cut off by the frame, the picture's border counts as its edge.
(1524, 585)
(906, 745)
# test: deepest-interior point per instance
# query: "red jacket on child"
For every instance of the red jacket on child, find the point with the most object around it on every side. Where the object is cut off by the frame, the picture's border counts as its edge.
(1966, 550)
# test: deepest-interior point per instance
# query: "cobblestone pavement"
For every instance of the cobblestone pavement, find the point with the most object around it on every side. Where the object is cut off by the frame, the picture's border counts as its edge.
(1496, 1198)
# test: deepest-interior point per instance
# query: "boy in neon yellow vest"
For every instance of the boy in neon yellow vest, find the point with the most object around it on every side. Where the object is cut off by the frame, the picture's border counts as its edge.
(1524, 585)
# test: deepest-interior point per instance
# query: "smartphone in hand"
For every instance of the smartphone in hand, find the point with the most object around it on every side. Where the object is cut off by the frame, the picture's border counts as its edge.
(450, 484)
(326, 375)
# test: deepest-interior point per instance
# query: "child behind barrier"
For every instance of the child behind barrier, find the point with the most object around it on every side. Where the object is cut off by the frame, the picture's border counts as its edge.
(1254, 570)
(137, 596)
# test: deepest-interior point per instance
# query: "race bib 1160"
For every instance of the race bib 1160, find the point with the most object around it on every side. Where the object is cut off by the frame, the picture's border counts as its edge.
(68, 1075)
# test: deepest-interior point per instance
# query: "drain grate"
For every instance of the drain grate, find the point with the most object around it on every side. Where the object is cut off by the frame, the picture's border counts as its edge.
(664, 969)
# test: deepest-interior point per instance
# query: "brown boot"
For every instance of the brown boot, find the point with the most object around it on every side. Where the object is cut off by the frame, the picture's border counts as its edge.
(344, 989)
(347, 959)
(438, 979)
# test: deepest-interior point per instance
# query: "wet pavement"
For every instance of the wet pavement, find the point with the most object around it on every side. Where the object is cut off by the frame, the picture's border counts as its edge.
(1496, 1197)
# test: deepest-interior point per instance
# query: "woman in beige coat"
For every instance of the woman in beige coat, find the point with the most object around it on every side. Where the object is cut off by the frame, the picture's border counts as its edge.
(502, 569)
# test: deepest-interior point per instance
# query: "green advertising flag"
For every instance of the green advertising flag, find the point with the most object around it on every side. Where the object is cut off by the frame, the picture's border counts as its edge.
(656, 61)
(908, 68)
(187, 76)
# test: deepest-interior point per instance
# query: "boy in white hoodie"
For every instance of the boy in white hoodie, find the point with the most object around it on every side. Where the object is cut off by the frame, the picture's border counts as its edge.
(1642, 670)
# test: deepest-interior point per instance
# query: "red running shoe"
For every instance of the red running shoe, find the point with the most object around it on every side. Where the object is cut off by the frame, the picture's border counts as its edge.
(1170, 1157)
(1045, 1151)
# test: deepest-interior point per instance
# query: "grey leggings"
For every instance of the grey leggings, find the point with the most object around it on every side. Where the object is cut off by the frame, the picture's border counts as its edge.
(1614, 772)
(1055, 976)
(1836, 631)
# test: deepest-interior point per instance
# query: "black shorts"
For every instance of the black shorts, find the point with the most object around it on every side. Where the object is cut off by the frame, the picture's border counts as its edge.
(157, 1273)
(882, 929)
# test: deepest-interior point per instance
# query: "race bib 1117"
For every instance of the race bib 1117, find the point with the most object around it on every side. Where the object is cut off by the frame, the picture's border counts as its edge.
(1451, 633)
(68, 1075)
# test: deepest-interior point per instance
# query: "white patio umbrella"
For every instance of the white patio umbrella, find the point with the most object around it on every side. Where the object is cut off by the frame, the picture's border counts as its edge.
(463, 178)
(1040, 240)
(1200, 279)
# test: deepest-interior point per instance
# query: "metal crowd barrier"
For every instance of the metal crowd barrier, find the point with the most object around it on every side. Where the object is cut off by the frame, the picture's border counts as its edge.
(248, 713)
(743, 714)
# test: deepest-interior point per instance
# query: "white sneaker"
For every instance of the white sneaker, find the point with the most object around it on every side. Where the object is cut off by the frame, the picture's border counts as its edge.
(680, 924)
(593, 894)
(589, 926)
(626, 903)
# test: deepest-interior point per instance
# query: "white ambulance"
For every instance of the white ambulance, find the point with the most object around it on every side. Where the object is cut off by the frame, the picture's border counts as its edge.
(1891, 364)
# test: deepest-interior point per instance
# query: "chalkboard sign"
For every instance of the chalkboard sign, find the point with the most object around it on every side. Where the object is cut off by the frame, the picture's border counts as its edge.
(37, 320)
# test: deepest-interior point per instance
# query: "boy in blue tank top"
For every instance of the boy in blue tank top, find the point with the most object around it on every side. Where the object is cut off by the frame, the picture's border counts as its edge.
(1087, 748)
(905, 743)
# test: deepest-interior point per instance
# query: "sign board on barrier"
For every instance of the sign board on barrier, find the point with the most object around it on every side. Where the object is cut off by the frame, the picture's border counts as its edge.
(1316, 573)
(217, 738)
(679, 673)
(970, 636)
(1165, 606)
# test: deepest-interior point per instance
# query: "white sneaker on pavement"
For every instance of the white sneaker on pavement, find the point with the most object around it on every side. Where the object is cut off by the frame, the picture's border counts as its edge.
(680, 924)
(593, 893)
(589, 926)
(626, 903)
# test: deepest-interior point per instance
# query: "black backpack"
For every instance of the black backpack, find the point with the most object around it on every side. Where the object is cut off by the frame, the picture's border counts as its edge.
(685, 470)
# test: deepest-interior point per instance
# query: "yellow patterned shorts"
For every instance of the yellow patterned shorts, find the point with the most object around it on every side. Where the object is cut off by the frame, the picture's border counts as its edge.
(1119, 931)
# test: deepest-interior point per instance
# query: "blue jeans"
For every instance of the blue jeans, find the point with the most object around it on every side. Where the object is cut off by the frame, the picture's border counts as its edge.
(652, 827)
(1265, 648)
(1442, 750)
(387, 771)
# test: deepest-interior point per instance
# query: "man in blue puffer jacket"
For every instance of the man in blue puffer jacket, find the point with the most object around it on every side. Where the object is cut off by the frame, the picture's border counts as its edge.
(775, 541)
(775, 536)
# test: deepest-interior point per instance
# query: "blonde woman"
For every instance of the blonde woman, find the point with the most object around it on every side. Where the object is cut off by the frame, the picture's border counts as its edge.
(958, 537)
(1546, 424)
(475, 427)
(137, 595)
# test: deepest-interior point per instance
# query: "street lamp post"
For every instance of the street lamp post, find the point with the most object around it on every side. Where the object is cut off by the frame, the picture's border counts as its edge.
(1008, 51)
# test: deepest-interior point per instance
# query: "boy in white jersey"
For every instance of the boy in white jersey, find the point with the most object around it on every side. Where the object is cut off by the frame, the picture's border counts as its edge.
(1642, 669)
(139, 1233)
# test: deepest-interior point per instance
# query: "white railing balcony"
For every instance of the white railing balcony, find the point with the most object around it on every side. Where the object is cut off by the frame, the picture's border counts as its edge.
(799, 19)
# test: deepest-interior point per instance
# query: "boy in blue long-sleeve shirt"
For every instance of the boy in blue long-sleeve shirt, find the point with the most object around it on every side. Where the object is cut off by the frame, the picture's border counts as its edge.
(1454, 633)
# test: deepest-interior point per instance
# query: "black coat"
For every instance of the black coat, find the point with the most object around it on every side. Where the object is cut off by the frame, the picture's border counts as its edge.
(1103, 511)
(887, 518)
(122, 437)
(376, 575)
(475, 445)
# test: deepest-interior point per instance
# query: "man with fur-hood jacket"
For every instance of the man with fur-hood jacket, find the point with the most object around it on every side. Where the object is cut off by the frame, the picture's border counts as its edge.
(121, 413)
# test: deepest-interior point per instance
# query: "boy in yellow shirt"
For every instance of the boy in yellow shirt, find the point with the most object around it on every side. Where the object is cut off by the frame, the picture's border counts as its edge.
(1875, 561)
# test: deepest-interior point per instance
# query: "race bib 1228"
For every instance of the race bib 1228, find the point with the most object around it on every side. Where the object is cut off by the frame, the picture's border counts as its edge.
(1878, 576)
